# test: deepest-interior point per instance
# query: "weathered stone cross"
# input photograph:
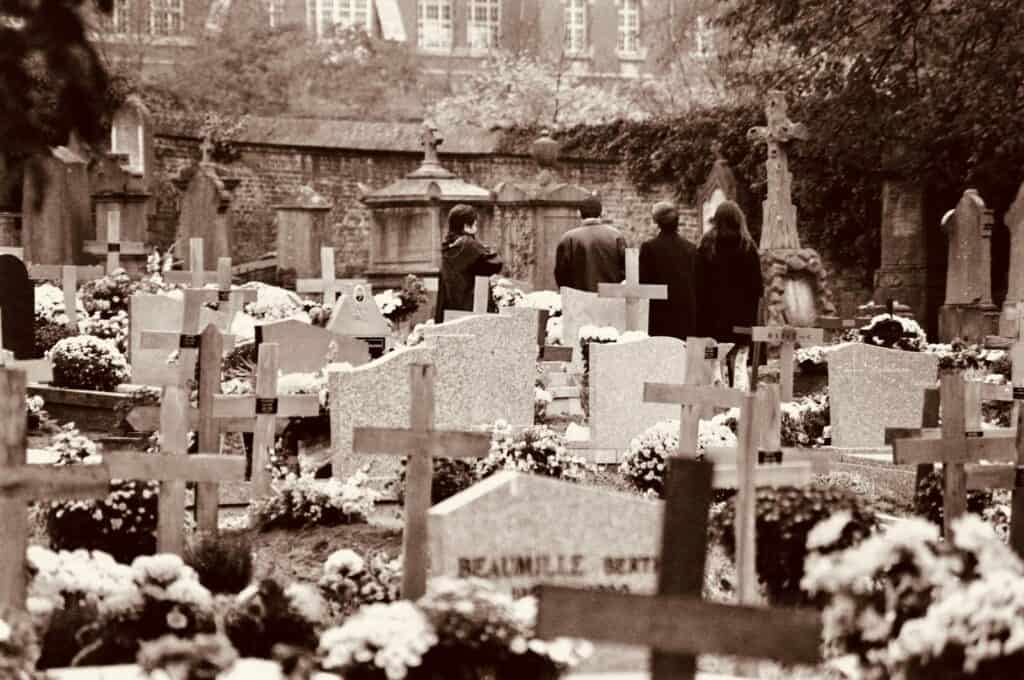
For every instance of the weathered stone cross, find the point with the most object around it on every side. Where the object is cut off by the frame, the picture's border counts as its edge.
(676, 623)
(779, 230)
(633, 291)
(430, 141)
(421, 443)
(113, 247)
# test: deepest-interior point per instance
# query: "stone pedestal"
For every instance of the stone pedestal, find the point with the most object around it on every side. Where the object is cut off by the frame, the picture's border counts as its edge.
(903, 273)
(301, 224)
(56, 210)
(970, 323)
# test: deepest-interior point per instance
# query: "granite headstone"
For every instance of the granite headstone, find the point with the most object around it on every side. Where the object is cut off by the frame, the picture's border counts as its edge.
(872, 388)
(17, 302)
(518, 530)
(356, 315)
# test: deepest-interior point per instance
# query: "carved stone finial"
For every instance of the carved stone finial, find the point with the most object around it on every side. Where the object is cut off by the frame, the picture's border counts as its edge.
(545, 150)
(430, 141)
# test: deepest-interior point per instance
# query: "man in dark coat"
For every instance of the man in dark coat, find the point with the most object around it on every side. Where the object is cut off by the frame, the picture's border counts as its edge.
(463, 258)
(670, 259)
(592, 253)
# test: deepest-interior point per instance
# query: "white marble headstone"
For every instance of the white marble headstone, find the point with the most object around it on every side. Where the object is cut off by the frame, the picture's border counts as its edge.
(872, 388)
(518, 530)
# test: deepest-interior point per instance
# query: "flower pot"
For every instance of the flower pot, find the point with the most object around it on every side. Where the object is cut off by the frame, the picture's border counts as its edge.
(90, 411)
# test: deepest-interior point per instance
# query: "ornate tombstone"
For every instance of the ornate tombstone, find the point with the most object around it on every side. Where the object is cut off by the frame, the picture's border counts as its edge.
(532, 216)
(409, 217)
(206, 209)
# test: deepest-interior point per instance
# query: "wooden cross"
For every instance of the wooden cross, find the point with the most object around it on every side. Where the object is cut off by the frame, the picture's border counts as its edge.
(676, 623)
(267, 406)
(37, 370)
(481, 300)
(633, 291)
(195, 276)
(742, 468)
(787, 337)
(69, 276)
(114, 247)
(421, 444)
(21, 483)
(962, 442)
(186, 341)
(327, 284)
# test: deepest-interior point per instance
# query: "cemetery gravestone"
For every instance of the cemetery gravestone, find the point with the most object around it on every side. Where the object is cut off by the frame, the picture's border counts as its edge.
(1014, 221)
(498, 372)
(17, 303)
(581, 308)
(518, 531)
(872, 388)
(157, 313)
(206, 211)
(56, 207)
(357, 316)
(618, 372)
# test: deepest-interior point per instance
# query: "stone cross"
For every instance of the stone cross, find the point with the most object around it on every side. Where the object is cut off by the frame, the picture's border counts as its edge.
(779, 230)
(481, 300)
(113, 247)
(327, 284)
(69, 276)
(787, 337)
(430, 141)
(1014, 221)
(633, 291)
(21, 484)
(676, 623)
(206, 147)
(267, 406)
(421, 443)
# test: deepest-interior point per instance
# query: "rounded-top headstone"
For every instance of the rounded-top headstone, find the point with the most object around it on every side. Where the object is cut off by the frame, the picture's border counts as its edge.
(17, 302)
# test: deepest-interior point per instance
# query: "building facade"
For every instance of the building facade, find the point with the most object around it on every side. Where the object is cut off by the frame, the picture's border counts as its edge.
(600, 38)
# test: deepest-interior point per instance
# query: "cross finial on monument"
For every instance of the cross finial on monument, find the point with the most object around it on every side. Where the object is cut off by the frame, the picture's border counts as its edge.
(780, 129)
(207, 148)
(430, 141)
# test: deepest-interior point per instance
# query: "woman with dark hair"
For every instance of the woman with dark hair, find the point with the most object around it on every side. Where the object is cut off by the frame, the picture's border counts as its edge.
(463, 258)
(729, 279)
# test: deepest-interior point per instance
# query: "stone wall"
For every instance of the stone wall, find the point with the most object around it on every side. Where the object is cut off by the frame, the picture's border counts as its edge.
(270, 173)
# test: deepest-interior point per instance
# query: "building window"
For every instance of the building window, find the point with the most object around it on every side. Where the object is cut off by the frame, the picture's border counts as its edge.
(119, 19)
(484, 27)
(629, 26)
(326, 14)
(703, 39)
(167, 17)
(275, 12)
(434, 24)
(575, 26)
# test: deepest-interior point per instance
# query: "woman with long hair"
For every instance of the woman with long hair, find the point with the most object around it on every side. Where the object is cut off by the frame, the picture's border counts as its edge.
(463, 258)
(729, 286)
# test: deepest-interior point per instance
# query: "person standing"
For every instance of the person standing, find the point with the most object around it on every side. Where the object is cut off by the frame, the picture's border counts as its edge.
(592, 253)
(670, 259)
(463, 258)
(730, 285)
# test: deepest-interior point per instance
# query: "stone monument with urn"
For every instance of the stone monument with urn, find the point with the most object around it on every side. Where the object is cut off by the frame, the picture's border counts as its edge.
(409, 218)
(796, 283)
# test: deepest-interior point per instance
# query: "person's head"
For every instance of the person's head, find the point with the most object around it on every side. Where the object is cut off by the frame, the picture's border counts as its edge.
(462, 220)
(728, 229)
(591, 207)
(665, 215)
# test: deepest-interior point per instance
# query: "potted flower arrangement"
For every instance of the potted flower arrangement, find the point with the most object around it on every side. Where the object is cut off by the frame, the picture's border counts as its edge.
(459, 629)
(400, 306)
(350, 581)
(911, 606)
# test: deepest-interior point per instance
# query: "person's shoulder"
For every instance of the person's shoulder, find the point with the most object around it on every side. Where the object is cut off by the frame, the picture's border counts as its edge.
(573, 234)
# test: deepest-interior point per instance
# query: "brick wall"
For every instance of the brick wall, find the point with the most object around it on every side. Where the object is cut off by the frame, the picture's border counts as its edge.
(270, 174)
